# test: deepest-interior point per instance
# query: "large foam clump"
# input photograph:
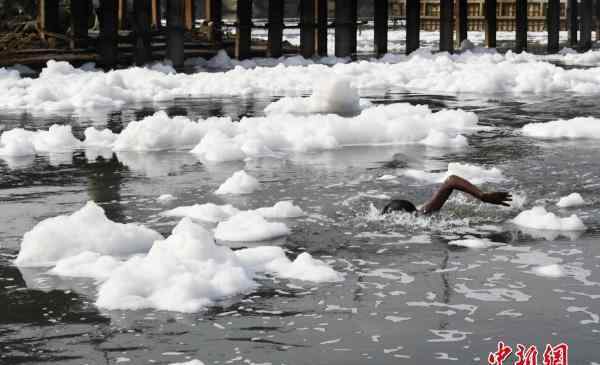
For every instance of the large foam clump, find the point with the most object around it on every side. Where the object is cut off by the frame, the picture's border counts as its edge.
(473, 173)
(539, 218)
(571, 200)
(88, 229)
(249, 226)
(21, 142)
(335, 95)
(423, 72)
(576, 128)
(283, 209)
(188, 272)
(239, 183)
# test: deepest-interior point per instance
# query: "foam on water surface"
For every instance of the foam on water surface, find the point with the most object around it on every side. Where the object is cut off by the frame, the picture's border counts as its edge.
(576, 128)
(239, 183)
(539, 218)
(571, 200)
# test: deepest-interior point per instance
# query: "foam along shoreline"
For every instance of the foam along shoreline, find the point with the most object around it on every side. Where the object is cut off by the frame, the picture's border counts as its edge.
(87, 89)
(138, 268)
(221, 139)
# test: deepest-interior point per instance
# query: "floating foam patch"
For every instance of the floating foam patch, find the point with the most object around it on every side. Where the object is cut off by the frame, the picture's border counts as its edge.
(576, 128)
(208, 212)
(165, 198)
(571, 200)
(551, 271)
(283, 209)
(474, 243)
(475, 174)
(88, 229)
(539, 218)
(335, 95)
(188, 272)
(249, 227)
(239, 183)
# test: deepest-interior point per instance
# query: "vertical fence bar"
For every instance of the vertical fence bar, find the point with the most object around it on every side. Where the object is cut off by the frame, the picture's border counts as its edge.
(214, 16)
(307, 28)
(381, 18)
(80, 11)
(461, 22)
(143, 38)
(491, 23)
(321, 36)
(553, 21)
(446, 38)
(345, 28)
(175, 32)
(190, 14)
(521, 26)
(413, 25)
(275, 33)
(109, 22)
(48, 19)
(122, 14)
(244, 29)
(572, 22)
(586, 25)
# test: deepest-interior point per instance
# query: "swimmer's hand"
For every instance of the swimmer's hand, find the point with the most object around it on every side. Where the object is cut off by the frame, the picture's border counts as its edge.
(497, 197)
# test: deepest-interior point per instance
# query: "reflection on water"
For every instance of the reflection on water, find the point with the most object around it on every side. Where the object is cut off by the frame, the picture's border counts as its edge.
(407, 296)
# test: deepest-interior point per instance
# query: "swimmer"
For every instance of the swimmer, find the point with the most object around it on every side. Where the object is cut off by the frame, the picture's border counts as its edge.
(441, 196)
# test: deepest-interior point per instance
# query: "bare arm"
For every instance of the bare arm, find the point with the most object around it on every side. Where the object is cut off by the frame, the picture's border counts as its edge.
(455, 182)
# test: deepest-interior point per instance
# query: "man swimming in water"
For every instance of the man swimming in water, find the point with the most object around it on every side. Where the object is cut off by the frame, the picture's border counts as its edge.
(441, 196)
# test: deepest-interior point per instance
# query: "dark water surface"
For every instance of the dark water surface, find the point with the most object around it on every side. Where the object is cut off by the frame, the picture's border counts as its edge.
(408, 297)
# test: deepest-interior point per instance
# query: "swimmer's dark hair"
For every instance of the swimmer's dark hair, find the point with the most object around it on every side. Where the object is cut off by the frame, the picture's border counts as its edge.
(399, 205)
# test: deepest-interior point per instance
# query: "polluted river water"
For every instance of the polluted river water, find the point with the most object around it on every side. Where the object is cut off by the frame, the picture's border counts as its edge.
(253, 233)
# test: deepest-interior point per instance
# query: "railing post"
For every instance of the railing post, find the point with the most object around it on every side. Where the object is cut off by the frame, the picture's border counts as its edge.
(521, 26)
(461, 25)
(586, 25)
(446, 38)
(244, 29)
(48, 19)
(345, 28)
(491, 23)
(190, 14)
(380, 35)
(553, 22)
(214, 15)
(175, 32)
(413, 25)
(321, 36)
(307, 28)
(107, 47)
(143, 37)
(80, 11)
(572, 22)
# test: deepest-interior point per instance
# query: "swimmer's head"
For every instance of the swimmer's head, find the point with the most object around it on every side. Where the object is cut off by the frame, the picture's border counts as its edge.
(397, 205)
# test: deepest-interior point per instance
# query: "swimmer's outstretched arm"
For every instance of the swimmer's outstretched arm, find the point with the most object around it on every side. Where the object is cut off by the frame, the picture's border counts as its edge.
(455, 182)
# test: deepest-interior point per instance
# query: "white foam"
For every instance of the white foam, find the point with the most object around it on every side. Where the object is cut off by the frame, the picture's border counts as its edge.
(216, 146)
(493, 294)
(20, 142)
(551, 271)
(249, 226)
(474, 243)
(239, 183)
(99, 138)
(571, 200)
(539, 218)
(473, 173)
(208, 212)
(576, 128)
(160, 132)
(86, 264)
(488, 72)
(165, 198)
(335, 95)
(283, 209)
(87, 229)
(188, 272)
